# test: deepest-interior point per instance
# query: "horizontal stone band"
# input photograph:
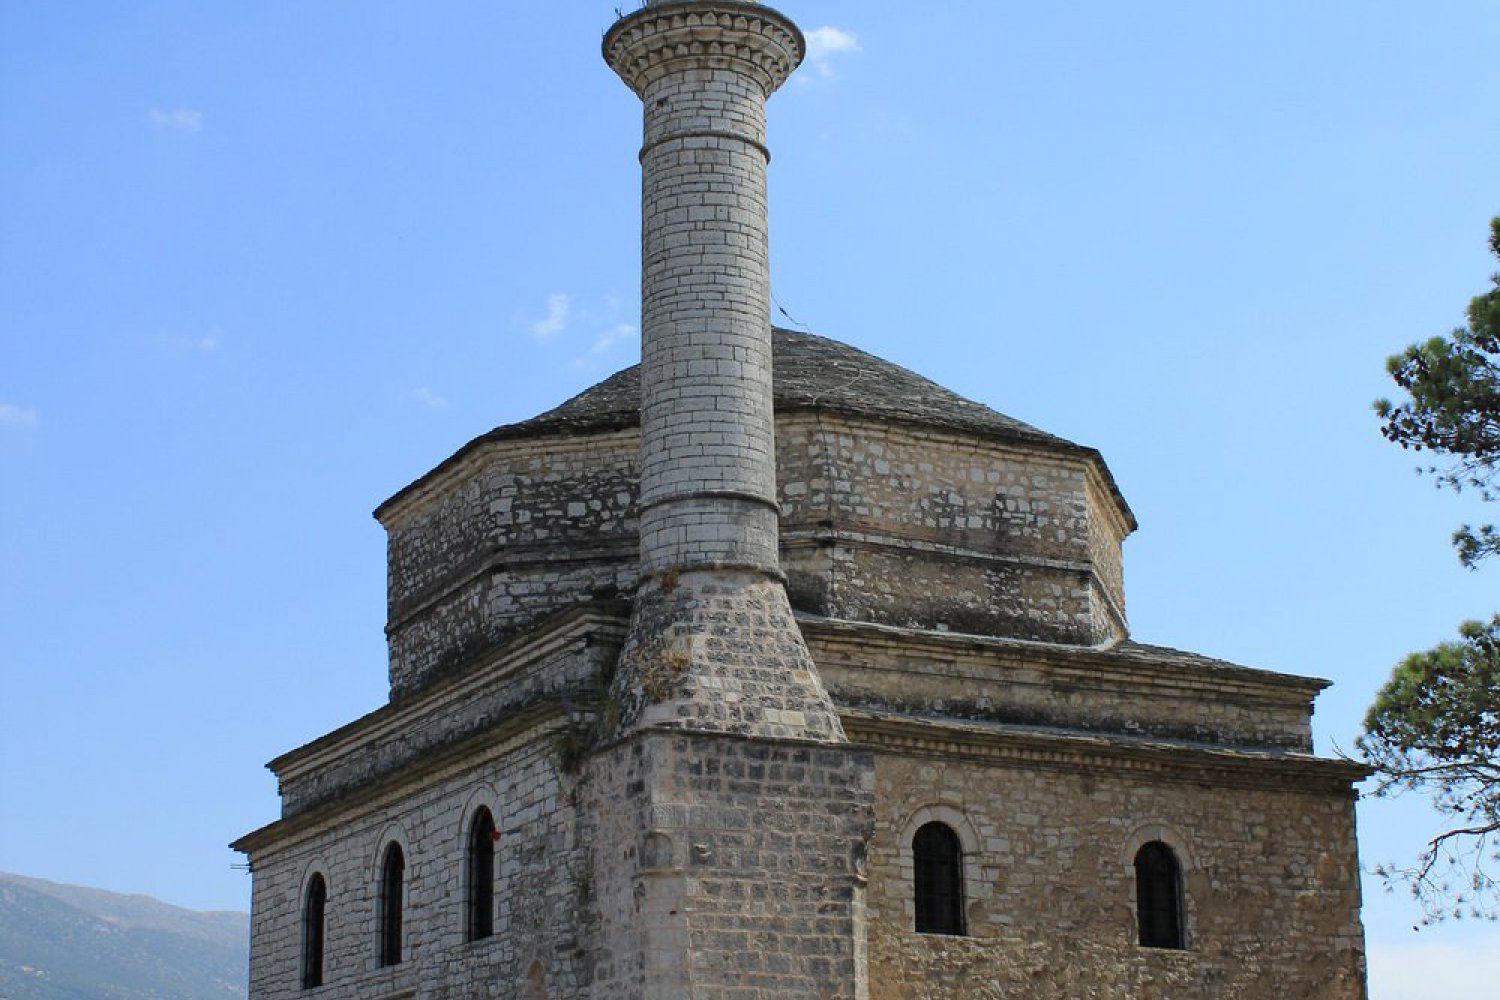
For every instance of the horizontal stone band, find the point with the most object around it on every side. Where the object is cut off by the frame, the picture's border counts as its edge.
(719, 566)
(741, 495)
(704, 133)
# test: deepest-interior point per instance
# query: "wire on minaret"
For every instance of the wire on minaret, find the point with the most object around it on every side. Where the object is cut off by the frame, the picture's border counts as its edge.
(782, 309)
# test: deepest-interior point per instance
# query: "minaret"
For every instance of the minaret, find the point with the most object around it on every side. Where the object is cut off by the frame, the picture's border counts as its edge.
(712, 644)
(725, 814)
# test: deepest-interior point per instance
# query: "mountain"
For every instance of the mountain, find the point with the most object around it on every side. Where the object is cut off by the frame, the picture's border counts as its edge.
(68, 942)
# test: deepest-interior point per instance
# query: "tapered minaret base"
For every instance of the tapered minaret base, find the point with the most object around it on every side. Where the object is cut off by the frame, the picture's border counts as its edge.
(720, 652)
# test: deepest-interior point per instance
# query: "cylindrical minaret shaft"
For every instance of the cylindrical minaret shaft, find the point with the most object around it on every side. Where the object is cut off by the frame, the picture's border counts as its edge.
(712, 643)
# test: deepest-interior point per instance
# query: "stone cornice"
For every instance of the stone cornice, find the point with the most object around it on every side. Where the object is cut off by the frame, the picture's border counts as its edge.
(620, 429)
(1123, 661)
(568, 630)
(623, 549)
(471, 459)
(536, 723)
(881, 733)
(666, 38)
(1098, 752)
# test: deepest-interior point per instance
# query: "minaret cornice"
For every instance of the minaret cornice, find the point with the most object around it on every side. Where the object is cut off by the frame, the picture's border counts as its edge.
(671, 37)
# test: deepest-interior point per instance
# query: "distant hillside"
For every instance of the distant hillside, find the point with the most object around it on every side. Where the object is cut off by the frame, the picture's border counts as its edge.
(67, 942)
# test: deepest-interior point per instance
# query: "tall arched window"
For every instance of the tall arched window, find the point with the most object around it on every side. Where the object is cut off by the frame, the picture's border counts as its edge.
(1158, 896)
(938, 859)
(392, 893)
(481, 895)
(313, 905)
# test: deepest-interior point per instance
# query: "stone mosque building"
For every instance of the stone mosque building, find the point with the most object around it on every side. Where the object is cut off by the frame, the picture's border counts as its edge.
(769, 669)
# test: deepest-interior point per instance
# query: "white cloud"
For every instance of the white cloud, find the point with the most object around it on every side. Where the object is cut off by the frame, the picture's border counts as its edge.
(422, 394)
(1424, 970)
(178, 119)
(824, 43)
(556, 321)
(206, 343)
(14, 416)
(609, 338)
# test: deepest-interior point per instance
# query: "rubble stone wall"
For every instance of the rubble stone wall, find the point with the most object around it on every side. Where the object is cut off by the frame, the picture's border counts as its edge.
(1271, 886)
(530, 529)
(540, 885)
(879, 523)
(928, 529)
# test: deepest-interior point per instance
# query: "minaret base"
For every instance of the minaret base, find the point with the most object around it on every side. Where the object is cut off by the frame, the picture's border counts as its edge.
(719, 651)
(728, 868)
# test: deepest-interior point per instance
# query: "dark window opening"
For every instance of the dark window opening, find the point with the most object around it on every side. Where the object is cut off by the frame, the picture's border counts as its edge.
(939, 873)
(392, 877)
(481, 876)
(1158, 896)
(313, 906)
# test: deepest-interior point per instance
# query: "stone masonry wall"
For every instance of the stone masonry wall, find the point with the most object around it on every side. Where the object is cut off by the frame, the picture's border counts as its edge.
(1271, 886)
(532, 528)
(1106, 534)
(879, 523)
(904, 526)
(729, 869)
(540, 887)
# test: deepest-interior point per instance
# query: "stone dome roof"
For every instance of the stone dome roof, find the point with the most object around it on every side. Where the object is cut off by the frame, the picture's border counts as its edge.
(810, 373)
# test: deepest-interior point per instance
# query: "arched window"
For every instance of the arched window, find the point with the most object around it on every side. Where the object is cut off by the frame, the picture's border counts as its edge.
(392, 891)
(481, 895)
(1158, 896)
(313, 905)
(938, 859)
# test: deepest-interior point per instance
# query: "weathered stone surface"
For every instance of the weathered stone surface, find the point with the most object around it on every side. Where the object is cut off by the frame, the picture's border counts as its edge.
(729, 868)
(1125, 688)
(886, 522)
(700, 794)
(541, 867)
(721, 653)
(1271, 886)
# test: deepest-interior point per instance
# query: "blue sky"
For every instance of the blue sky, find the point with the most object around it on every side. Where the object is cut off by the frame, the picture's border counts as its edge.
(263, 264)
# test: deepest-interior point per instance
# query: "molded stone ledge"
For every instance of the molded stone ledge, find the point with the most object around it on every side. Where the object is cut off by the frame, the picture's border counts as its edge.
(561, 659)
(952, 739)
(671, 38)
(1125, 689)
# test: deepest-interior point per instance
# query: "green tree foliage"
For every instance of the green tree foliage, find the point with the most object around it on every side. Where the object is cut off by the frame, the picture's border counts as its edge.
(1435, 725)
(1453, 407)
(1435, 728)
